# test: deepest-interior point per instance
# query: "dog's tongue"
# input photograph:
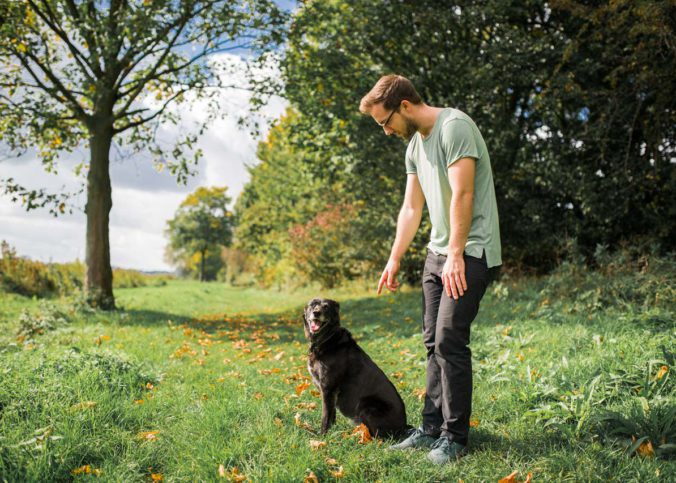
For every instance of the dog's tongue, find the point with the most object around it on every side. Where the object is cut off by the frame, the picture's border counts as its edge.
(314, 326)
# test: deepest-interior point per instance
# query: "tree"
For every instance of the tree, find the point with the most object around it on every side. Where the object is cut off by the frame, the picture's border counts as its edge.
(80, 72)
(200, 229)
(573, 98)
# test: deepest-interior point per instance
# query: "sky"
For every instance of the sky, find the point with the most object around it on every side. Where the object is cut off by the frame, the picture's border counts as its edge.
(143, 199)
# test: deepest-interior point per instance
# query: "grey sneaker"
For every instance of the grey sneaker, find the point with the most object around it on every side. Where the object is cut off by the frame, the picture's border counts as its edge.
(444, 451)
(416, 439)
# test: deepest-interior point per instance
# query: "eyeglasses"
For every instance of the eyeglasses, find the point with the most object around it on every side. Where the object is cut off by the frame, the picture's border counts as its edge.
(384, 123)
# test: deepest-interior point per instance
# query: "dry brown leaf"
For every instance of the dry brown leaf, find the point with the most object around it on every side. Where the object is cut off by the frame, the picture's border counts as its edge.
(311, 478)
(278, 422)
(233, 474)
(148, 435)
(474, 423)
(660, 374)
(279, 355)
(316, 444)
(511, 478)
(646, 449)
(339, 473)
(301, 424)
(305, 405)
(300, 388)
(363, 432)
(331, 461)
(529, 477)
(420, 393)
(221, 471)
(83, 405)
(156, 477)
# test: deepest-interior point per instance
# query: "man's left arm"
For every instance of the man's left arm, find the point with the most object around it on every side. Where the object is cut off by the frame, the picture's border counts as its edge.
(461, 179)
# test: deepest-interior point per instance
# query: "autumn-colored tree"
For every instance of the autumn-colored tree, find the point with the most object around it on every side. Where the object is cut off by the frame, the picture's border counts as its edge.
(89, 73)
(200, 229)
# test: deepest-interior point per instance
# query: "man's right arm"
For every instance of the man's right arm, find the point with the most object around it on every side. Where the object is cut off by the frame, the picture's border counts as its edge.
(407, 226)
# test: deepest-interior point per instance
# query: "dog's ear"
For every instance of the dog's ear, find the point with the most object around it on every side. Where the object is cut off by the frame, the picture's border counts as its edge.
(306, 329)
(335, 307)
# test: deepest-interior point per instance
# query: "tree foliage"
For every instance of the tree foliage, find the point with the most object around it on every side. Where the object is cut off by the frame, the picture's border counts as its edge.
(201, 227)
(573, 98)
(93, 73)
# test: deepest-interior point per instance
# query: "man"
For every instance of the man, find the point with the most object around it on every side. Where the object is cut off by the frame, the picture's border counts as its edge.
(448, 167)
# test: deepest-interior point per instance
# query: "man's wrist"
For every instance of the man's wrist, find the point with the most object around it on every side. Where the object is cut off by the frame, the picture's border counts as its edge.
(455, 252)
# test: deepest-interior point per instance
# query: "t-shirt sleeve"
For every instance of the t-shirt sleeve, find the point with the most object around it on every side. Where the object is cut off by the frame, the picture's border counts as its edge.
(410, 165)
(458, 141)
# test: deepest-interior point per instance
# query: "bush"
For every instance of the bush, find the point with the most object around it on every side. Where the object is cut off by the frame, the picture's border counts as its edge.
(36, 279)
(44, 320)
(322, 247)
(33, 278)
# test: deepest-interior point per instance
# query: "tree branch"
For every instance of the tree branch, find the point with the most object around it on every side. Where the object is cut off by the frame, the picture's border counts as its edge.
(150, 118)
(51, 23)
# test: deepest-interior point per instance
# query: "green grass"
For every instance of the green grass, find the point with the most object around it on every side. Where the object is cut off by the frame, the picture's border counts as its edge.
(188, 377)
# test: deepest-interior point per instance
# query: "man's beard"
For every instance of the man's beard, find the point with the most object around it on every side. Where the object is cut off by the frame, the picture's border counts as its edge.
(411, 129)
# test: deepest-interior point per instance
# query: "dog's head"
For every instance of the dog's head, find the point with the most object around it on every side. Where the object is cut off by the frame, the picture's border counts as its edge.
(320, 315)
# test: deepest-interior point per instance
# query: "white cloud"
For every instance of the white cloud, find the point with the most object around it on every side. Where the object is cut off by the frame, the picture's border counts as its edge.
(143, 200)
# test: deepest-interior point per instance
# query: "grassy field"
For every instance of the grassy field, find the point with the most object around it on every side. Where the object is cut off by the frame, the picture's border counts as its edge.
(201, 382)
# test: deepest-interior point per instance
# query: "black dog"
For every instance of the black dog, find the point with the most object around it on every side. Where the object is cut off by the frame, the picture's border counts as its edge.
(347, 377)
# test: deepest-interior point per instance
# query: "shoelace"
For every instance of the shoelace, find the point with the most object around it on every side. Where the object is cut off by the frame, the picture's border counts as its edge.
(439, 442)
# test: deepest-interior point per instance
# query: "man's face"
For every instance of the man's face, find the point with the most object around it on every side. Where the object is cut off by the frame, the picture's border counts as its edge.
(394, 121)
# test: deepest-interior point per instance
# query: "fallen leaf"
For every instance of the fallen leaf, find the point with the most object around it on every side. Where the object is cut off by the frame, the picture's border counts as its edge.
(660, 374)
(300, 388)
(232, 475)
(305, 405)
(221, 471)
(363, 432)
(278, 422)
(331, 461)
(646, 449)
(311, 478)
(82, 470)
(474, 423)
(316, 444)
(339, 473)
(148, 435)
(279, 355)
(420, 393)
(300, 423)
(83, 405)
(258, 396)
(511, 478)
(156, 477)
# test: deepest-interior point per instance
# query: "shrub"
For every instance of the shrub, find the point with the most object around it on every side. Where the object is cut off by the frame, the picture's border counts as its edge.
(47, 318)
(321, 248)
(33, 278)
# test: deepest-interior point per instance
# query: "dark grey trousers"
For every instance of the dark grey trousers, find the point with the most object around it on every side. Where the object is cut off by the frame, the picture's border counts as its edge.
(446, 334)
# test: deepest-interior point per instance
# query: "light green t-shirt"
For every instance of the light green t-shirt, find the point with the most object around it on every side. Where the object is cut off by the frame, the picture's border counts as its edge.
(455, 136)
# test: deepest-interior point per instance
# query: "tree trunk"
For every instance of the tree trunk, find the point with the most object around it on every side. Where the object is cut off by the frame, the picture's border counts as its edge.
(99, 274)
(202, 266)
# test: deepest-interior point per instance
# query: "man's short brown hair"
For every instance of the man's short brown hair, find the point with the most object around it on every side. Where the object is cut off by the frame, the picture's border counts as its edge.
(390, 90)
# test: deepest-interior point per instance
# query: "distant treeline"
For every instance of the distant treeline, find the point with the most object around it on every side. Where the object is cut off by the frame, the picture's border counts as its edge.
(33, 278)
(574, 99)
